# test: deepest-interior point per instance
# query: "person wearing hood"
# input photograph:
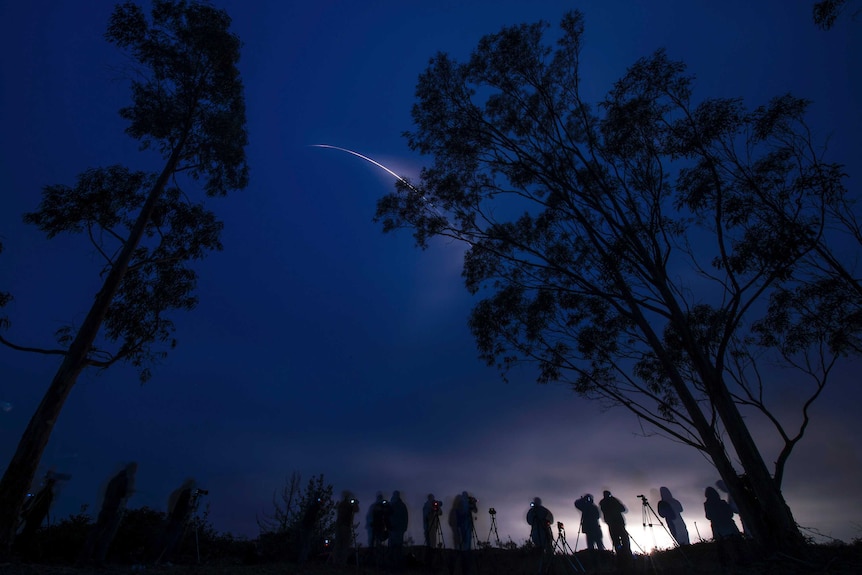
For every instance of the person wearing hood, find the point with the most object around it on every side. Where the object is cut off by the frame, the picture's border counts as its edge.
(540, 520)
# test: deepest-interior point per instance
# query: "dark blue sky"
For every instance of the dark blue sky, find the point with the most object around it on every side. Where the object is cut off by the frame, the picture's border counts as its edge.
(321, 345)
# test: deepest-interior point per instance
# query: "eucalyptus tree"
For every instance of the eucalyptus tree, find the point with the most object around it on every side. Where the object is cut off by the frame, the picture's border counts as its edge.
(188, 106)
(827, 12)
(641, 249)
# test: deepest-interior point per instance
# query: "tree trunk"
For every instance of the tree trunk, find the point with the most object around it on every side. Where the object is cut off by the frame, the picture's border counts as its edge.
(758, 497)
(22, 468)
(759, 488)
(762, 514)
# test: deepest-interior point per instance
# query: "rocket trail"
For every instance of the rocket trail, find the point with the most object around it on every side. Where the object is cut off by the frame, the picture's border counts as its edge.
(367, 159)
(414, 189)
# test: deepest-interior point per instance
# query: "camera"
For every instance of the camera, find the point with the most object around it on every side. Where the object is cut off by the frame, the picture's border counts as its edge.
(472, 500)
(532, 503)
(436, 504)
(354, 501)
(492, 511)
(642, 497)
(560, 525)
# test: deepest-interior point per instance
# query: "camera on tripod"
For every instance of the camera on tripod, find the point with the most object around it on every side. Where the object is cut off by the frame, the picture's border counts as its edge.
(643, 498)
(560, 525)
(492, 511)
(436, 505)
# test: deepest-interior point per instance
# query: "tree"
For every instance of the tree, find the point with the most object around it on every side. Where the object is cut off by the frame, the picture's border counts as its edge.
(188, 106)
(826, 12)
(299, 518)
(638, 250)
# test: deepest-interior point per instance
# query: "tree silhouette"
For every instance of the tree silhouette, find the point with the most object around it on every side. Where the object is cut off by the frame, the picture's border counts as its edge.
(299, 517)
(188, 106)
(826, 12)
(639, 250)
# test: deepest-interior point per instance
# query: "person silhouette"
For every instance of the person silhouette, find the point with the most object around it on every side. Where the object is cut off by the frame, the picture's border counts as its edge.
(398, 527)
(35, 510)
(590, 522)
(179, 510)
(671, 510)
(117, 493)
(461, 522)
(375, 521)
(344, 513)
(379, 515)
(720, 515)
(612, 511)
(309, 526)
(724, 529)
(540, 520)
(464, 507)
(722, 486)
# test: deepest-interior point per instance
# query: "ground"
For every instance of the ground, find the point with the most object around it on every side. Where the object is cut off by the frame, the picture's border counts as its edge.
(699, 559)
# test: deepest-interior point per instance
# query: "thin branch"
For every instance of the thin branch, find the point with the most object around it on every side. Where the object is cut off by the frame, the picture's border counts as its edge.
(9, 344)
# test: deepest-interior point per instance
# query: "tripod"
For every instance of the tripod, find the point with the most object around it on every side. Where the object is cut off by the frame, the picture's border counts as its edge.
(647, 513)
(565, 549)
(434, 531)
(434, 543)
(195, 519)
(475, 536)
(493, 513)
(178, 526)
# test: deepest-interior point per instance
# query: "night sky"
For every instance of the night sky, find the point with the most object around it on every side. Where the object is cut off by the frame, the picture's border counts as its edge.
(321, 345)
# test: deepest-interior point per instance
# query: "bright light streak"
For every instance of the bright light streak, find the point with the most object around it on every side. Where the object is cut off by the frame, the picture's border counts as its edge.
(413, 188)
(367, 159)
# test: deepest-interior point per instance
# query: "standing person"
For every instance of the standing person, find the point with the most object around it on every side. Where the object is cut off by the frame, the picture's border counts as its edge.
(117, 493)
(369, 518)
(379, 516)
(461, 521)
(612, 511)
(431, 513)
(348, 507)
(179, 510)
(724, 529)
(671, 510)
(464, 510)
(746, 489)
(720, 515)
(540, 520)
(308, 526)
(398, 527)
(35, 510)
(590, 522)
